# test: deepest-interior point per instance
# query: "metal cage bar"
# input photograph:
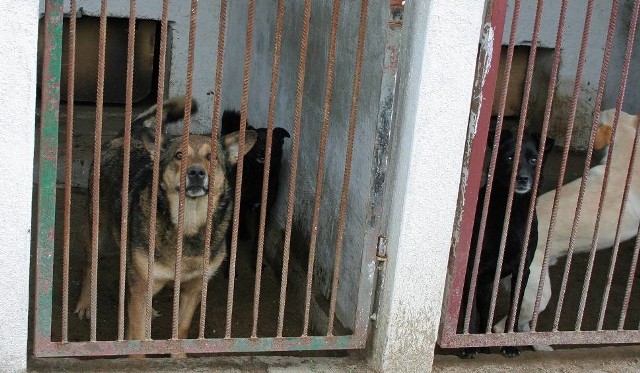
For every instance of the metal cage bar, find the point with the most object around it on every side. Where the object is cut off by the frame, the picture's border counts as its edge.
(95, 345)
(455, 327)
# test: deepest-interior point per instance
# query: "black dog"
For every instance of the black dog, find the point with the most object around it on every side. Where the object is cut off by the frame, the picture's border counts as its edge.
(253, 173)
(493, 231)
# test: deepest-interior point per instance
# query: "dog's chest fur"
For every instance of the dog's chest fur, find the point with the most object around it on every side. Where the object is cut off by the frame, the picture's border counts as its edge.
(194, 231)
(494, 228)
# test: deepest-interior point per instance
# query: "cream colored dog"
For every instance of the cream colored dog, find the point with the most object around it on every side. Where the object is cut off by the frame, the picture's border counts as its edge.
(559, 244)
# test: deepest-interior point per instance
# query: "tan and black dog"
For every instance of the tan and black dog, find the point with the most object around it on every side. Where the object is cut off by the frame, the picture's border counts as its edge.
(198, 189)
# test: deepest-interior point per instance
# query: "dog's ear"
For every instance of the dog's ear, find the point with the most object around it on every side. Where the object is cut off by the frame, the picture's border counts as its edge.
(548, 146)
(230, 122)
(505, 135)
(603, 136)
(149, 140)
(281, 132)
(232, 145)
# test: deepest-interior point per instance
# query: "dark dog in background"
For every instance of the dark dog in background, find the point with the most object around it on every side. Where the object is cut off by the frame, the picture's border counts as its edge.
(253, 173)
(198, 189)
(525, 175)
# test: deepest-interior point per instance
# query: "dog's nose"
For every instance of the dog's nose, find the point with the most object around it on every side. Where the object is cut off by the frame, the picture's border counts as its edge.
(196, 172)
(522, 179)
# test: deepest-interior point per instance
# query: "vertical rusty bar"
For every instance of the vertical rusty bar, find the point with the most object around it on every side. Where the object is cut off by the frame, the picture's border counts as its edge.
(68, 166)
(97, 149)
(267, 163)
(512, 322)
(623, 85)
(153, 209)
(215, 120)
(47, 168)
(494, 155)
(594, 126)
(243, 126)
(616, 245)
(304, 42)
(566, 147)
(125, 167)
(321, 160)
(632, 274)
(620, 99)
(523, 115)
(353, 119)
(183, 168)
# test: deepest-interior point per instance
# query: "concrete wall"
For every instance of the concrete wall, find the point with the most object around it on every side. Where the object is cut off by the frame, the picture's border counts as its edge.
(632, 95)
(360, 182)
(568, 63)
(18, 36)
(434, 92)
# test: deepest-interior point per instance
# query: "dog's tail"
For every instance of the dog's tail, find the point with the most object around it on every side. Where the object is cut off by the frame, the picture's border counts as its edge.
(144, 126)
(173, 110)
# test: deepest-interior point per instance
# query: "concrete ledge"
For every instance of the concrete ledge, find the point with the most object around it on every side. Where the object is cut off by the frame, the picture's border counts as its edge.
(205, 364)
(603, 359)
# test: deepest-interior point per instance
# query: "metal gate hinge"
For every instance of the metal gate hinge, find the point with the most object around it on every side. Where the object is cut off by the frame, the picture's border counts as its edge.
(381, 249)
(381, 258)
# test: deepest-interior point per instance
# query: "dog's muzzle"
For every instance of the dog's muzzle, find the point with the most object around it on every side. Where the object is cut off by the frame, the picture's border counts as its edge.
(523, 184)
(197, 181)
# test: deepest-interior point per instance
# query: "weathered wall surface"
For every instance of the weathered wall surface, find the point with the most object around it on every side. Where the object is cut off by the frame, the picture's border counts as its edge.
(18, 35)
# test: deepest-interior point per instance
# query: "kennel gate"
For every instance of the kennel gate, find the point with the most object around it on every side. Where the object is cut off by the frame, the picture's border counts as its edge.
(454, 330)
(45, 346)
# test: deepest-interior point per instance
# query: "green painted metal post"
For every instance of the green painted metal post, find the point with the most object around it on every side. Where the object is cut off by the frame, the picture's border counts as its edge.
(47, 167)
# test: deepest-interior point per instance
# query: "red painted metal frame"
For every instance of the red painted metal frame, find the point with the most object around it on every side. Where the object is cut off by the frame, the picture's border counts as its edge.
(489, 57)
(449, 337)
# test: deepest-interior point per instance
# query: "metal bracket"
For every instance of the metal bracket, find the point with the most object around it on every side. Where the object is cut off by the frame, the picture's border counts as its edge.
(381, 259)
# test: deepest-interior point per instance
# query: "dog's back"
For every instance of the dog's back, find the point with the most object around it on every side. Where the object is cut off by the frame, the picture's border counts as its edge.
(625, 137)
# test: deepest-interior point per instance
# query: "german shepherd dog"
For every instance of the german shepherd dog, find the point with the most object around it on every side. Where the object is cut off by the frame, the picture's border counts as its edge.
(199, 187)
(525, 174)
(253, 171)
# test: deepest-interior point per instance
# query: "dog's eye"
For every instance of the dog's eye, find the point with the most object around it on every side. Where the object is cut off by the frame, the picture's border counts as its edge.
(533, 160)
(208, 157)
(178, 155)
(510, 158)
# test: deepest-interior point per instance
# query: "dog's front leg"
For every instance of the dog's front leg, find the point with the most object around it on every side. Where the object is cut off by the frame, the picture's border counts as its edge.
(190, 296)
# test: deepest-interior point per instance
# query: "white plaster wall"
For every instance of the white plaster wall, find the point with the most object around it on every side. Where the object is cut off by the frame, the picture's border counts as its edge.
(18, 38)
(435, 84)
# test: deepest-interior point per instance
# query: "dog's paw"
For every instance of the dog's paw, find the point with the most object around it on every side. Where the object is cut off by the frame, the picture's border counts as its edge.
(469, 353)
(83, 309)
(509, 351)
(542, 348)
